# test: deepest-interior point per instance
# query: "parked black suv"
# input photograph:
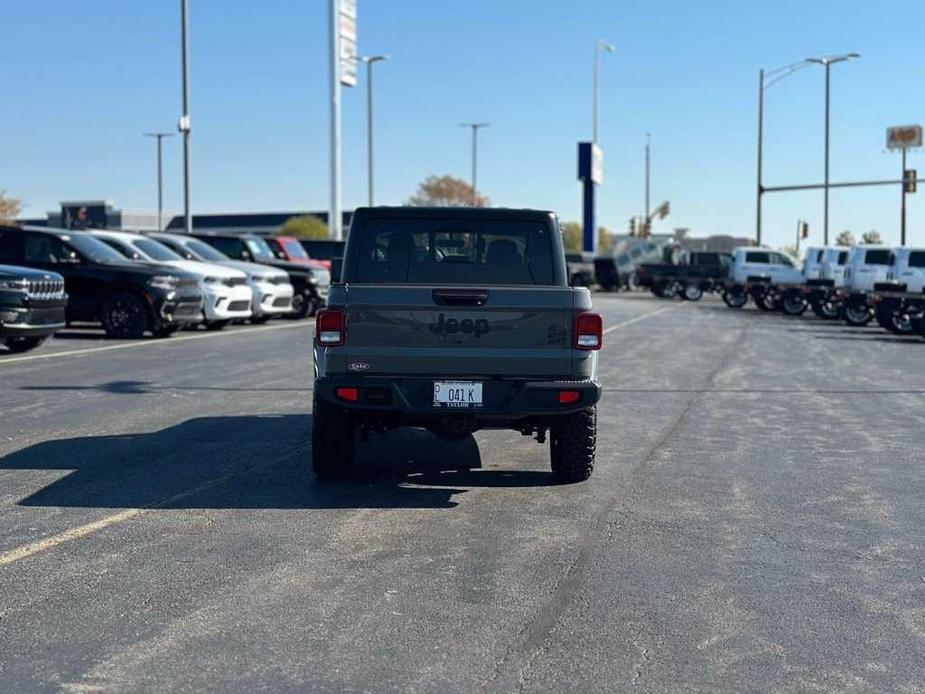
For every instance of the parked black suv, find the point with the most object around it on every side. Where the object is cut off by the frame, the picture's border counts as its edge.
(128, 299)
(32, 305)
(310, 285)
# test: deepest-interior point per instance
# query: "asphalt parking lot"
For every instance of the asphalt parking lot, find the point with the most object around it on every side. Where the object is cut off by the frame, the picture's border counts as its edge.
(755, 522)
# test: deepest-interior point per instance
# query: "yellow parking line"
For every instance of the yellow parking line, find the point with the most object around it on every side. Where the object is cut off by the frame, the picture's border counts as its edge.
(25, 551)
(629, 322)
(152, 342)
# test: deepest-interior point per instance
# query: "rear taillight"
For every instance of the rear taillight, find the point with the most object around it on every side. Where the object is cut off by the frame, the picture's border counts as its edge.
(588, 331)
(330, 328)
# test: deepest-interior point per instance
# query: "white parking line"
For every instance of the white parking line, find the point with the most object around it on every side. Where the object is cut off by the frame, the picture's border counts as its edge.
(629, 322)
(153, 342)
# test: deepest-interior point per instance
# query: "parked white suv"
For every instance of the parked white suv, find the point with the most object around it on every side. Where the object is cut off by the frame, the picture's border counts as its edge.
(271, 292)
(226, 292)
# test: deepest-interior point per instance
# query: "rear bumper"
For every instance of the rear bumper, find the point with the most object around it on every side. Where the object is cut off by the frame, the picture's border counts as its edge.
(411, 399)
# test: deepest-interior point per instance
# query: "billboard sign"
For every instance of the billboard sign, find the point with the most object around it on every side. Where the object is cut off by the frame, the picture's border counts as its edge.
(590, 162)
(347, 38)
(904, 137)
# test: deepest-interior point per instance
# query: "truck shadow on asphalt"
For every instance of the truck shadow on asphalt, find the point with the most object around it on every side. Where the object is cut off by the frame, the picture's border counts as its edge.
(255, 462)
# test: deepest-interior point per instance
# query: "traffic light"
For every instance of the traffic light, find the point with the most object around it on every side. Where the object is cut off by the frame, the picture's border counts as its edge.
(804, 230)
(910, 176)
(632, 226)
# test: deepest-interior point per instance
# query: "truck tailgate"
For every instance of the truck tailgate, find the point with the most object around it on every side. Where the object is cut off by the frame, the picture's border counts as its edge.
(447, 331)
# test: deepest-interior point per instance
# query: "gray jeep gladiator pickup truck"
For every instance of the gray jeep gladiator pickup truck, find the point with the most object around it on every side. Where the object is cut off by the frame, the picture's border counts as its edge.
(455, 320)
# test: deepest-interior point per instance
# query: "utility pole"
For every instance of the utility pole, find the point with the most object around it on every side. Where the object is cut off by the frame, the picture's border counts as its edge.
(648, 172)
(334, 213)
(902, 216)
(160, 177)
(475, 155)
(760, 155)
(827, 62)
(184, 125)
(601, 44)
(370, 61)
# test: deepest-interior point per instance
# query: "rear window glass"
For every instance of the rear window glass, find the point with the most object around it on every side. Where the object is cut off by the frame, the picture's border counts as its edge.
(917, 259)
(455, 252)
(757, 257)
(877, 258)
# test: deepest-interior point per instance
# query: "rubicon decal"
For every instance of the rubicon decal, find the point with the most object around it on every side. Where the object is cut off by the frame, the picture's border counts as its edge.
(445, 326)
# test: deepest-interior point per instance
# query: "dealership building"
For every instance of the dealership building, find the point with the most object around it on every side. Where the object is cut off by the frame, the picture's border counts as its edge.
(100, 214)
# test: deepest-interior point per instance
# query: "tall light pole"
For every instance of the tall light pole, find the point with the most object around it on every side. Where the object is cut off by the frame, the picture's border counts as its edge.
(370, 60)
(475, 154)
(160, 177)
(184, 124)
(766, 79)
(600, 45)
(648, 171)
(827, 62)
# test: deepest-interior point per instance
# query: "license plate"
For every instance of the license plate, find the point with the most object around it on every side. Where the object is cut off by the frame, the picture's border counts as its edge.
(457, 394)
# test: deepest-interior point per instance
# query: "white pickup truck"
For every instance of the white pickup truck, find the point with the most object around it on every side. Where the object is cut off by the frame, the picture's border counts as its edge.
(898, 302)
(773, 279)
(866, 266)
(824, 277)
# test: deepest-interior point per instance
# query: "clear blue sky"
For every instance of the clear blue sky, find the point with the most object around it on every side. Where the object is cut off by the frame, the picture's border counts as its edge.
(83, 80)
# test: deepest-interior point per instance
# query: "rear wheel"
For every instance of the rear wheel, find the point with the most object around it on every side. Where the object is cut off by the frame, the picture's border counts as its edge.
(857, 316)
(735, 298)
(767, 302)
(124, 317)
(692, 292)
(900, 324)
(793, 305)
(333, 440)
(23, 344)
(825, 309)
(572, 443)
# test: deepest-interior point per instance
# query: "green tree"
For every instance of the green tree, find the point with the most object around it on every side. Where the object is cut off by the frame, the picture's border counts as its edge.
(871, 238)
(9, 208)
(446, 191)
(306, 227)
(604, 239)
(845, 238)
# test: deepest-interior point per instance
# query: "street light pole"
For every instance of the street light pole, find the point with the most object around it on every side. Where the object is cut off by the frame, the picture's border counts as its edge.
(827, 62)
(760, 191)
(648, 170)
(597, 84)
(184, 125)
(370, 60)
(160, 177)
(475, 155)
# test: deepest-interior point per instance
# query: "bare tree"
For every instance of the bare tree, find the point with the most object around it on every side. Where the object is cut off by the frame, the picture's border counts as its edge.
(9, 208)
(446, 191)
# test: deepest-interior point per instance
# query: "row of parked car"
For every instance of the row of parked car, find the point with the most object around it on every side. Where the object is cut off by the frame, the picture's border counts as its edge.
(136, 284)
(857, 285)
